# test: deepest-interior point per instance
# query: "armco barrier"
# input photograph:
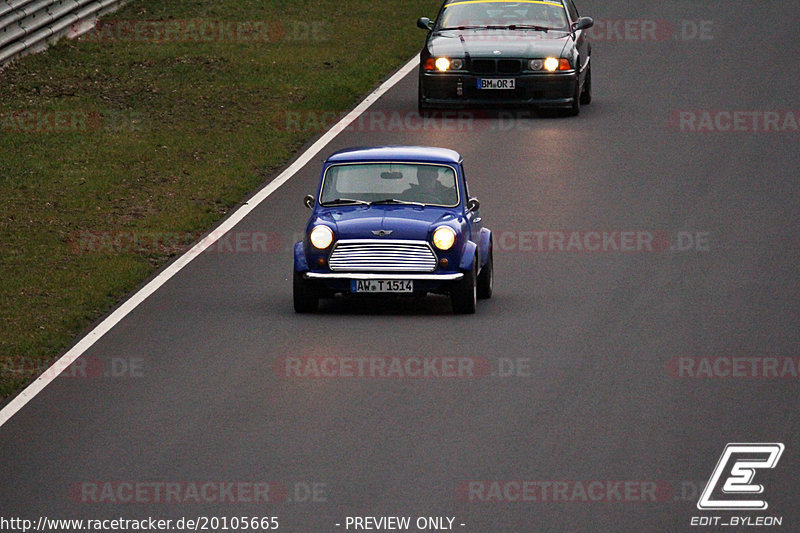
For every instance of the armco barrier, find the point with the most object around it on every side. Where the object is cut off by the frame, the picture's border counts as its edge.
(28, 26)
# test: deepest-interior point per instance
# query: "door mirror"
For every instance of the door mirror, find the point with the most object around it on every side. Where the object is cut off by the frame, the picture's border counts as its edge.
(583, 23)
(473, 205)
(309, 201)
(424, 23)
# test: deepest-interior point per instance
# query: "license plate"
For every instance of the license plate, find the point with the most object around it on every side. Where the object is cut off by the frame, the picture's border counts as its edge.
(497, 83)
(381, 285)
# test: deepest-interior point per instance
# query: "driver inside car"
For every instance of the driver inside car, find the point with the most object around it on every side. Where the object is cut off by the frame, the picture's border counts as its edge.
(429, 189)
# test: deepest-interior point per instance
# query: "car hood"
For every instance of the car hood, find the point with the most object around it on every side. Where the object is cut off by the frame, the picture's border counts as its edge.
(404, 222)
(515, 44)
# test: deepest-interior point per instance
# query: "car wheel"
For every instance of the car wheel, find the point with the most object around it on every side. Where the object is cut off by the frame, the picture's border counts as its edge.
(422, 110)
(575, 109)
(306, 298)
(464, 296)
(586, 95)
(486, 278)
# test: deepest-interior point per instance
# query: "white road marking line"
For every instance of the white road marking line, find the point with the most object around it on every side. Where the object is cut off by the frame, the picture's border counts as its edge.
(122, 311)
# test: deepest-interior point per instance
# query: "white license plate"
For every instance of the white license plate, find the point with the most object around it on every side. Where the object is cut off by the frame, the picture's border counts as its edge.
(497, 83)
(381, 285)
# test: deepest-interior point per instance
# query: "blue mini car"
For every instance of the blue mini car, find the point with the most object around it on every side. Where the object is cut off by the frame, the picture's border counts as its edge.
(397, 221)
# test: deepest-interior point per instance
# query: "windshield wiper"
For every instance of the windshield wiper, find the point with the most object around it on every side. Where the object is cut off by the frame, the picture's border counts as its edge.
(464, 28)
(395, 201)
(513, 27)
(345, 201)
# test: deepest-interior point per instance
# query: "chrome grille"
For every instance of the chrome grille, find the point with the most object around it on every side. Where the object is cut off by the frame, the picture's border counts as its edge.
(382, 256)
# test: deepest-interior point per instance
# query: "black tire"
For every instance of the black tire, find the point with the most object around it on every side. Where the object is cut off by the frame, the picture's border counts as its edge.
(421, 108)
(306, 298)
(575, 109)
(464, 295)
(586, 94)
(423, 111)
(486, 278)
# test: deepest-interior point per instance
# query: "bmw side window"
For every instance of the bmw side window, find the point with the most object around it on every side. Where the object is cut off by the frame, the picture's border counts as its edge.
(573, 11)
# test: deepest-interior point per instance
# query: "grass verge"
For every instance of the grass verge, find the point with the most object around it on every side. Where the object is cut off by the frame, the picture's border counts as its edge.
(157, 123)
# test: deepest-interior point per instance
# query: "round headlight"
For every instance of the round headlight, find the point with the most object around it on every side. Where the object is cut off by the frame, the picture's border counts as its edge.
(536, 64)
(457, 64)
(551, 64)
(444, 238)
(443, 64)
(321, 237)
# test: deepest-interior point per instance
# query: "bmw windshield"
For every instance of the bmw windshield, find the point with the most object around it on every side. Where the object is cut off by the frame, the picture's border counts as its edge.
(470, 14)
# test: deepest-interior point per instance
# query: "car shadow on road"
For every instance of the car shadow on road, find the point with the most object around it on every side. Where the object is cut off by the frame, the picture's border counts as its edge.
(366, 305)
(460, 116)
(381, 306)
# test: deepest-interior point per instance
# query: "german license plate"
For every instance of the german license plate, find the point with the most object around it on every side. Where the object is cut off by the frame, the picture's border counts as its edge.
(497, 83)
(381, 285)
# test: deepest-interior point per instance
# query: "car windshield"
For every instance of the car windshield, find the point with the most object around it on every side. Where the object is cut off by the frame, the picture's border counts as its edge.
(550, 15)
(390, 183)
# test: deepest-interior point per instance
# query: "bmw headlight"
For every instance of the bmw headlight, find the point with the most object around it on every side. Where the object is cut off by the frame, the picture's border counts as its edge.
(443, 64)
(551, 64)
(444, 238)
(321, 237)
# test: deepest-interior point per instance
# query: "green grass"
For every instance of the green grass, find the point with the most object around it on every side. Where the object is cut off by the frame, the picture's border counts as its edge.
(165, 137)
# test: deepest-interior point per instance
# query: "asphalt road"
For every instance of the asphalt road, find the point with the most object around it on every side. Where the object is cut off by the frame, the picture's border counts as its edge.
(590, 353)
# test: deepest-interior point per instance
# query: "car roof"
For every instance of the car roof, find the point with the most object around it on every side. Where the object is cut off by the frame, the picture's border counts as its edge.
(426, 154)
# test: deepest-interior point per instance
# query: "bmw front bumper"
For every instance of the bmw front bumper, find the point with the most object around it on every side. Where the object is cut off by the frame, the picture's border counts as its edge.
(455, 90)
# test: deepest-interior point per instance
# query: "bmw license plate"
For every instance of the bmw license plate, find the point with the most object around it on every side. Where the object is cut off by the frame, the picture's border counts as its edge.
(497, 83)
(381, 285)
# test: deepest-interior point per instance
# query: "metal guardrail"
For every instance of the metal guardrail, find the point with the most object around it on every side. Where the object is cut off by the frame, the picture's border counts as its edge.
(29, 26)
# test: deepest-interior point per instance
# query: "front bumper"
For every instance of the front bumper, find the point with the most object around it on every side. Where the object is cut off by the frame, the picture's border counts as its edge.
(453, 89)
(361, 275)
(339, 282)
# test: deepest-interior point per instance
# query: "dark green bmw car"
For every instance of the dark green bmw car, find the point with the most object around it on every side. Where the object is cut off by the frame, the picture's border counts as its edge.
(482, 53)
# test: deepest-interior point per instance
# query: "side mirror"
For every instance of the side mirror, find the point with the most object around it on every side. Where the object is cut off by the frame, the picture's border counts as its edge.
(424, 23)
(309, 201)
(583, 23)
(473, 205)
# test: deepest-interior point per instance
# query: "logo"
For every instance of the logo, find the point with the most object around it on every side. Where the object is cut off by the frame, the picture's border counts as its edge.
(744, 460)
(382, 233)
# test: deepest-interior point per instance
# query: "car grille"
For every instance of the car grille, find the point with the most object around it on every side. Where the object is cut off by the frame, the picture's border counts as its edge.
(496, 66)
(382, 256)
(508, 66)
(484, 66)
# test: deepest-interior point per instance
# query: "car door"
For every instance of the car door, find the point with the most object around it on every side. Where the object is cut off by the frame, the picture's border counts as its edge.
(581, 40)
(474, 220)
